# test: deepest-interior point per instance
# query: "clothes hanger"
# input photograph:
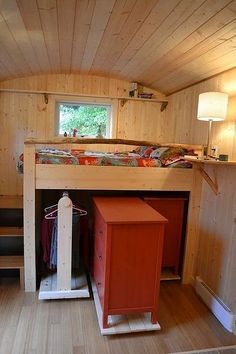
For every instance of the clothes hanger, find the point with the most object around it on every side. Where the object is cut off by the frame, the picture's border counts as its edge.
(79, 211)
(50, 207)
(82, 212)
(65, 194)
(53, 214)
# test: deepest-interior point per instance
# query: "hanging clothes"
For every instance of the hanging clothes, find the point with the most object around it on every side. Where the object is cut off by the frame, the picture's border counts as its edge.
(53, 251)
(46, 235)
(75, 240)
(49, 236)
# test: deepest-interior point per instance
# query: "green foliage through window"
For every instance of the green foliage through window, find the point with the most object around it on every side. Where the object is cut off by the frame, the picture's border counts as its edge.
(86, 118)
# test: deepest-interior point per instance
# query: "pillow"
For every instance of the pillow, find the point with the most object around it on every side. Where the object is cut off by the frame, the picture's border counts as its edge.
(168, 155)
(157, 153)
(145, 151)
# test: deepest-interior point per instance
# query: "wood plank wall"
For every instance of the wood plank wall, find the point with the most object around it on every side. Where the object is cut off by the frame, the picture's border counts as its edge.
(25, 115)
(182, 113)
(216, 263)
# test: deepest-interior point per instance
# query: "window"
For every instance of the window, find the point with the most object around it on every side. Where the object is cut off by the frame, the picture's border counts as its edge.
(87, 119)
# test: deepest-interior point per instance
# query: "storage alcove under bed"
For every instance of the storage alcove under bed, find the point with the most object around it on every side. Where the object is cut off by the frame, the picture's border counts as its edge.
(117, 178)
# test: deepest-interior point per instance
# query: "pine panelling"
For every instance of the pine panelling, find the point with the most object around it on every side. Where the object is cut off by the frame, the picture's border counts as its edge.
(208, 36)
(83, 17)
(66, 20)
(117, 20)
(165, 44)
(70, 84)
(150, 49)
(4, 72)
(49, 21)
(217, 261)
(23, 115)
(10, 54)
(204, 66)
(182, 111)
(4, 144)
(151, 24)
(31, 18)
(140, 121)
(101, 14)
(132, 22)
(15, 24)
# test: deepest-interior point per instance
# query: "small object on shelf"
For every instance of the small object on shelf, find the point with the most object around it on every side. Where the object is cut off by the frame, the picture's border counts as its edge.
(133, 92)
(223, 157)
(99, 132)
(145, 95)
(74, 133)
(65, 134)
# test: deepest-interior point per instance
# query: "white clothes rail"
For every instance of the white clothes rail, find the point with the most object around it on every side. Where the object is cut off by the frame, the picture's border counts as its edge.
(64, 284)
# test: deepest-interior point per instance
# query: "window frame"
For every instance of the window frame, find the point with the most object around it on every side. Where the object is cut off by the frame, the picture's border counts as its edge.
(112, 103)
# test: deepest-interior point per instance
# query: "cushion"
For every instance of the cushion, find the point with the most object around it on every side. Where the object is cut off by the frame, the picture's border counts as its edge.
(169, 155)
(145, 151)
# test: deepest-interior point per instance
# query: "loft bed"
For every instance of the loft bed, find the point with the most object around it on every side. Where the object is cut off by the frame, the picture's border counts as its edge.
(38, 176)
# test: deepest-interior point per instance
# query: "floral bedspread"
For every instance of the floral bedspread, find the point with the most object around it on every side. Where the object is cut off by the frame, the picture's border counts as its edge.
(143, 156)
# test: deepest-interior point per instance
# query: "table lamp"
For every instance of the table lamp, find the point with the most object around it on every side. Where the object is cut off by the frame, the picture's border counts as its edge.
(212, 107)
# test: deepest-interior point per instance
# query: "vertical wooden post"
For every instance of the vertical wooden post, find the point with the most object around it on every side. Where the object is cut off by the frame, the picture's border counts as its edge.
(29, 218)
(192, 232)
(64, 244)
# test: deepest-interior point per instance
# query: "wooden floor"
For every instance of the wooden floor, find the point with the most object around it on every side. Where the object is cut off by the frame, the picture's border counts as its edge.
(31, 326)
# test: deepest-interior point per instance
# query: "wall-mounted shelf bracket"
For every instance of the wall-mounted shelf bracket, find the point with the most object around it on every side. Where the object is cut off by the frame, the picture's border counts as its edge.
(209, 180)
(45, 95)
(123, 102)
(163, 106)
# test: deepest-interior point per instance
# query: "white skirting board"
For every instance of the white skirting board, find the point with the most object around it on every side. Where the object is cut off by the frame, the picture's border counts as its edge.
(120, 324)
(226, 317)
(79, 288)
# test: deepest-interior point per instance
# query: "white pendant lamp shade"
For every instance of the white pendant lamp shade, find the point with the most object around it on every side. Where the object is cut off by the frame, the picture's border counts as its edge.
(212, 106)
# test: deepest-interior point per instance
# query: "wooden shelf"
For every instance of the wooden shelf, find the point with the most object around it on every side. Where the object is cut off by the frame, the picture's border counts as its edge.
(14, 262)
(209, 162)
(201, 162)
(11, 202)
(75, 94)
(11, 262)
(11, 231)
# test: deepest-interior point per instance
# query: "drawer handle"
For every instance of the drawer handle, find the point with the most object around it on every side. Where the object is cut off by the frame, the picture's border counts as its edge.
(100, 257)
(99, 284)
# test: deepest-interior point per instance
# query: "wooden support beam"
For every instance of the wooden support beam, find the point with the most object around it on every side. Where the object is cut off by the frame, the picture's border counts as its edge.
(208, 179)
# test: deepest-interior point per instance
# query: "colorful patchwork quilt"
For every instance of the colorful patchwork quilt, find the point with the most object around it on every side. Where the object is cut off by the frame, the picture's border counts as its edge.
(143, 156)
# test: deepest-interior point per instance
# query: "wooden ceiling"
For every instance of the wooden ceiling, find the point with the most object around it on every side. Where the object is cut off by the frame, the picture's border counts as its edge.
(164, 44)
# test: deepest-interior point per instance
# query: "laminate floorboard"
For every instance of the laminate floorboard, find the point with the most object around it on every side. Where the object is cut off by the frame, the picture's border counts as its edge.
(32, 326)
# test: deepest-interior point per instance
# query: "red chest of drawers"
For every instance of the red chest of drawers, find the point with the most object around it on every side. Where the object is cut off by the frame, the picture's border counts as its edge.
(128, 243)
